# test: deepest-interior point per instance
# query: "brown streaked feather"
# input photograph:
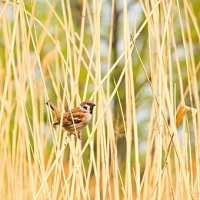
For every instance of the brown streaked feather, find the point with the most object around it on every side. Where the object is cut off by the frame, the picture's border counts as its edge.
(74, 116)
(77, 109)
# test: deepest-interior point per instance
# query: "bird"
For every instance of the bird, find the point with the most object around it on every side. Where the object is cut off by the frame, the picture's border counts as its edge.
(74, 120)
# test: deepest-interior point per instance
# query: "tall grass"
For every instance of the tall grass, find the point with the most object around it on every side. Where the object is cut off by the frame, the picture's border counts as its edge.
(44, 56)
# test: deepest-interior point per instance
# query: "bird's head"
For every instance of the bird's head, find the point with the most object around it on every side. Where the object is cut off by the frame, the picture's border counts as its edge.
(87, 106)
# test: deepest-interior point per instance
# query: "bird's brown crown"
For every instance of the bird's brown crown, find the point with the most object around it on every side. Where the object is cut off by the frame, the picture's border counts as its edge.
(90, 103)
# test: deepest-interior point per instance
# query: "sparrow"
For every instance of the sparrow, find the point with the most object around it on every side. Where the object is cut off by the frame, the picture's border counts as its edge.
(75, 119)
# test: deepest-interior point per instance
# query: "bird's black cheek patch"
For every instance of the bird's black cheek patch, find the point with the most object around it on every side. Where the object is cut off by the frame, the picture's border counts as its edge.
(91, 109)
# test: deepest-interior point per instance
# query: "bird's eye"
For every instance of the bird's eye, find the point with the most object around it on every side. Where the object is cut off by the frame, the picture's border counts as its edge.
(85, 107)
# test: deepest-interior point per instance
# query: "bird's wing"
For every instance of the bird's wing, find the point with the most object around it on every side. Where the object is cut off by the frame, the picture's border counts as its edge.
(73, 117)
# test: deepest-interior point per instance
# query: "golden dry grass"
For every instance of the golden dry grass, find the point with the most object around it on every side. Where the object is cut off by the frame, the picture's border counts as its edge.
(40, 162)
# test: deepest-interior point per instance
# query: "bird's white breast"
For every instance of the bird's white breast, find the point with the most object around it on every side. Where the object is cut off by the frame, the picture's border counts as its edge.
(88, 117)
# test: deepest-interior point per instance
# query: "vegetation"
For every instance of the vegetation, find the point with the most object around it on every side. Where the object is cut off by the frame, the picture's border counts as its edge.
(138, 61)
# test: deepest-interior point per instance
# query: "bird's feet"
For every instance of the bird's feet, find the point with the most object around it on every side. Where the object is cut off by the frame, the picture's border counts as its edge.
(76, 134)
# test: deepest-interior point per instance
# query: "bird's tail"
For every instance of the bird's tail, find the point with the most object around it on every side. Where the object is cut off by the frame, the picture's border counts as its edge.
(53, 108)
(55, 111)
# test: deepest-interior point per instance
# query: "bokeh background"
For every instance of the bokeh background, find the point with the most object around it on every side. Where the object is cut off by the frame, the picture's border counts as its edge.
(138, 61)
